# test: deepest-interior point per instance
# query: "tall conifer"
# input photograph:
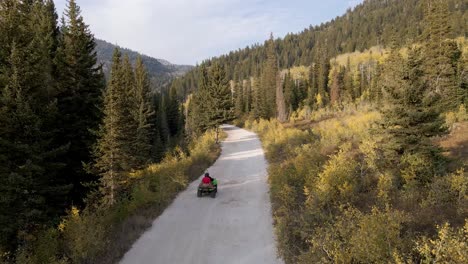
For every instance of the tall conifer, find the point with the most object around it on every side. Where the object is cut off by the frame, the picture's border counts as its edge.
(142, 113)
(80, 85)
(441, 55)
(111, 151)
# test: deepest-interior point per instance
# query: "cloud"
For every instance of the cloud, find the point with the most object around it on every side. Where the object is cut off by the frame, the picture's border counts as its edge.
(189, 31)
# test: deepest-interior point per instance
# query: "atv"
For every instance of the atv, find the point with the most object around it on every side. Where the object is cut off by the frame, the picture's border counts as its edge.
(210, 189)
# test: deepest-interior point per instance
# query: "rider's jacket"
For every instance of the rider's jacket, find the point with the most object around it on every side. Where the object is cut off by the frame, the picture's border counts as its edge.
(206, 180)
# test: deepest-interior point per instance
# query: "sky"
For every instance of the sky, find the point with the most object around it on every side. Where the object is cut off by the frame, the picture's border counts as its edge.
(190, 31)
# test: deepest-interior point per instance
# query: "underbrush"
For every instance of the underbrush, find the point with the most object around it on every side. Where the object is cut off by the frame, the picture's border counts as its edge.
(341, 195)
(101, 234)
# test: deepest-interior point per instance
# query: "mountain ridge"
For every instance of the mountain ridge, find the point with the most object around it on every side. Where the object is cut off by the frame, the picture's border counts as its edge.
(161, 71)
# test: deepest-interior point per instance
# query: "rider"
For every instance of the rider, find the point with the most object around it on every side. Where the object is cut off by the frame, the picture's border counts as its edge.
(209, 180)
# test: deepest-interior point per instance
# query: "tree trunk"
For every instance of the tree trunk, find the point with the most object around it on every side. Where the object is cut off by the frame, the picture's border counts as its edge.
(280, 104)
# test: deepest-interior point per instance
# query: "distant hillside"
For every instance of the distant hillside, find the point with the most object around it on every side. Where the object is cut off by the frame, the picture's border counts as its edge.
(372, 23)
(160, 71)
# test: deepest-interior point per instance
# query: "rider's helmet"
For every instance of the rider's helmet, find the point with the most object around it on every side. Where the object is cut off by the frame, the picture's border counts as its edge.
(207, 174)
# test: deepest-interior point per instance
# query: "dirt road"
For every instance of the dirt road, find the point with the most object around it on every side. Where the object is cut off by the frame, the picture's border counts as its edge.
(235, 227)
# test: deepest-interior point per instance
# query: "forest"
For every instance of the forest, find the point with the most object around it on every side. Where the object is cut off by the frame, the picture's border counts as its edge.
(81, 154)
(353, 114)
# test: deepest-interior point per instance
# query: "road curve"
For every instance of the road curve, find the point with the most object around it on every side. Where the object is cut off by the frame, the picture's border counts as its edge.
(235, 227)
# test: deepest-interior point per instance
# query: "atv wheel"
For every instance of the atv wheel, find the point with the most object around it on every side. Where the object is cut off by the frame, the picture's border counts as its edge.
(199, 193)
(213, 194)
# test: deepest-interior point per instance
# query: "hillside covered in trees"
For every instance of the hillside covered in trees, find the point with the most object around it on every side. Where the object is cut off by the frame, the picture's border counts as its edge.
(160, 71)
(372, 23)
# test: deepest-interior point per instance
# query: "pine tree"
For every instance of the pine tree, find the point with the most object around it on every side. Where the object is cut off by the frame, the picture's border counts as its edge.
(336, 87)
(268, 89)
(411, 117)
(161, 119)
(200, 103)
(442, 55)
(80, 85)
(348, 87)
(239, 99)
(375, 88)
(357, 85)
(256, 98)
(289, 92)
(212, 103)
(111, 151)
(173, 112)
(157, 146)
(142, 113)
(220, 106)
(247, 96)
(34, 193)
(312, 90)
(322, 69)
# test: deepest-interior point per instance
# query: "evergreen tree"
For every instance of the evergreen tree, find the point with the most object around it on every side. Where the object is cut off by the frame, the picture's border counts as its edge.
(239, 107)
(220, 107)
(442, 55)
(375, 88)
(111, 151)
(173, 112)
(80, 85)
(247, 96)
(323, 68)
(161, 120)
(256, 98)
(33, 191)
(357, 85)
(267, 91)
(336, 87)
(157, 146)
(348, 87)
(212, 103)
(411, 117)
(199, 105)
(142, 113)
(130, 121)
(289, 93)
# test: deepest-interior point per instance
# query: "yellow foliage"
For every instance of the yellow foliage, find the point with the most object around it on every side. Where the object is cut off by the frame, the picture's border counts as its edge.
(450, 119)
(300, 72)
(376, 53)
(319, 100)
(462, 115)
(385, 186)
(354, 127)
(378, 236)
(337, 181)
(451, 246)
